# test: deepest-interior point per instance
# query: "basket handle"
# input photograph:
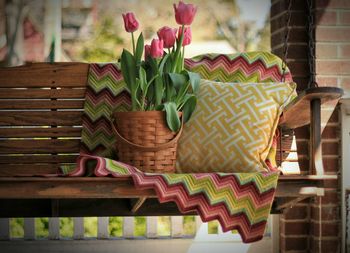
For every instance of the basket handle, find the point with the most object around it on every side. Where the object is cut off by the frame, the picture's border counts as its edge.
(143, 148)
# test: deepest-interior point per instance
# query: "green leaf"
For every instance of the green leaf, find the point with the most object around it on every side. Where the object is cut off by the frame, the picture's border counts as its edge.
(139, 48)
(178, 80)
(194, 80)
(189, 106)
(143, 79)
(172, 117)
(162, 63)
(128, 68)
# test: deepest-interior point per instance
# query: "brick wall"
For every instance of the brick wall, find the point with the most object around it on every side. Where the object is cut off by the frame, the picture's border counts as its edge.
(300, 225)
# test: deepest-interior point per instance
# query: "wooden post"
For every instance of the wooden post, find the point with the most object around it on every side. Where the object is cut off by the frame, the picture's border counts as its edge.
(316, 163)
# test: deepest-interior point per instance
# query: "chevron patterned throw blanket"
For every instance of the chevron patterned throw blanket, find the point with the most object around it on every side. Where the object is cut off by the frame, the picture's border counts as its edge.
(240, 201)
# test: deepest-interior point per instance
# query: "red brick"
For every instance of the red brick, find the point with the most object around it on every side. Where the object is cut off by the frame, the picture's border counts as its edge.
(325, 67)
(293, 243)
(330, 245)
(328, 229)
(335, 117)
(344, 51)
(331, 184)
(331, 196)
(332, 3)
(332, 34)
(294, 51)
(345, 82)
(344, 17)
(328, 213)
(296, 19)
(299, 68)
(281, 6)
(326, 17)
(296, 34)
(295, 228)
(326, 51)
(331, 165)
(330, 132)
(326, 81)
(296, 212)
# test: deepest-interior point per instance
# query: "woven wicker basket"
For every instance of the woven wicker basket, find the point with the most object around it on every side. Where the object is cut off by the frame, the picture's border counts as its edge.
(145, 141)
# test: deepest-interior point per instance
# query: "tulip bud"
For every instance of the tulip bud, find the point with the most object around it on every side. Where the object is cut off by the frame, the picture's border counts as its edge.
(147, 51)
(130, 22)
(157, 48)
(187, 35)
(168, 35)
(184, 13)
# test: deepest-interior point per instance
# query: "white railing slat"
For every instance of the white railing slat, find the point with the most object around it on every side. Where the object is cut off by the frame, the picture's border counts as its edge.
(29, 228)
(4, 228)
(54, 228)
(102, 227)
(128, 227)
(78, 232)
(151, 226)
(176, 226)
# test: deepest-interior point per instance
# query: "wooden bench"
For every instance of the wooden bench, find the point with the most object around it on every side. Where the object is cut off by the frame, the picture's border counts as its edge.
(41, 106)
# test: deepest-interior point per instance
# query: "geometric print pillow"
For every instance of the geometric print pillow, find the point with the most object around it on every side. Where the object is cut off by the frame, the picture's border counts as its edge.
(232, 128)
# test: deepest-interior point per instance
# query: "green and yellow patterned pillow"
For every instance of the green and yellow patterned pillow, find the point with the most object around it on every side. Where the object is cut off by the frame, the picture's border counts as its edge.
(232, 127)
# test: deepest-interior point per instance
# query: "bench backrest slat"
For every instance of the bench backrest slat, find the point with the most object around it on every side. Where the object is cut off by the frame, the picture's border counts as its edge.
(41, 108)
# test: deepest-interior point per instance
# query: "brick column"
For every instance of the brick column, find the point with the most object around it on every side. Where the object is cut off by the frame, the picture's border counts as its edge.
(300, 225)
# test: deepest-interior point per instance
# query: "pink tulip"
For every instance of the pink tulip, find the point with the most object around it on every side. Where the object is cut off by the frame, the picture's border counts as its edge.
(157, 48)
(130, 22)
(184, 13)
(168, 35)
(147, 51)
(187, 36)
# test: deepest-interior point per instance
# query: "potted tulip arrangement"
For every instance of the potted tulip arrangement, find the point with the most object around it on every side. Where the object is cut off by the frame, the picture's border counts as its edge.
(163, 93)
(160, 82)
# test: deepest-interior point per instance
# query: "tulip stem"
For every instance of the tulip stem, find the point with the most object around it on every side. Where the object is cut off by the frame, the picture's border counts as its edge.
(183, 57)
(133, 42)
(178, 49)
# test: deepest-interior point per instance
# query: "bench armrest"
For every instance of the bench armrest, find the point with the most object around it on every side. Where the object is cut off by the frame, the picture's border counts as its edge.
(297, 113)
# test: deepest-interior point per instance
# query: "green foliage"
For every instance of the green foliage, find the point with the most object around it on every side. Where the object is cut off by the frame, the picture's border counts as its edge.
(116, 226)
(164, 226)
(103, 45)
(140, 226)
(90, 226)
(16, 227)
(42, 227)
(66, 227)
(189, 225)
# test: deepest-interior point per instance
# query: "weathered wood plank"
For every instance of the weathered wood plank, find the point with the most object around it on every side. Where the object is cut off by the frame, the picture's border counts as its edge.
(40, 132)
(39, 146)
(297, 113)
(85, 187)
(28, 170)
(44, 118)
(40, 93)
(28, 104)
(35, 159)
(45, 75)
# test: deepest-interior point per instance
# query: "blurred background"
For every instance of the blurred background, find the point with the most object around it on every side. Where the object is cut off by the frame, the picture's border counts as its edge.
(93, 30)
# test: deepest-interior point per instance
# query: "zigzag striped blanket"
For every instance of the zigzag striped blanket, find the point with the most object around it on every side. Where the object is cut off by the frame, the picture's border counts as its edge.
(240, 201)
